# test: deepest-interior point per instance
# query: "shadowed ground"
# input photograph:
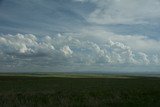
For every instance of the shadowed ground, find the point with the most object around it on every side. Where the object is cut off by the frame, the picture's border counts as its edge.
(27, 91)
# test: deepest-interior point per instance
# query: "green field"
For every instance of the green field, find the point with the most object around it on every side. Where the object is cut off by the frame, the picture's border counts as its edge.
(79, 91)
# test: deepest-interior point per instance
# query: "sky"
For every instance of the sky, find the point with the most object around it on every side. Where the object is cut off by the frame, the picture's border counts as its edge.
(80, 36)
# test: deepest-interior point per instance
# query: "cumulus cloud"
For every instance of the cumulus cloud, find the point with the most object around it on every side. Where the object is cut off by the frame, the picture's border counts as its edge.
(124, 11)
(155, 59)
(24, 45)
(67, 49)
(136, 42)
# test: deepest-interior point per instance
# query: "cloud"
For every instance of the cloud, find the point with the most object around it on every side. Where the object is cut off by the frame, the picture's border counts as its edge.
(124, 11)
(79, 0)
(155, 59)
(68, 49)
(106, 32)
(24, 45)
(48, 17)
(135, 42)
(143, 58)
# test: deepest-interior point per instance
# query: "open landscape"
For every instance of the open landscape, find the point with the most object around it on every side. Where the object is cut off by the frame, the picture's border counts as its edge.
(79, 53)
(78, 90)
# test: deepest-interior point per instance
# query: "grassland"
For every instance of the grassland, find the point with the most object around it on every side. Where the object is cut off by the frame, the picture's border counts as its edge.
(78, 91)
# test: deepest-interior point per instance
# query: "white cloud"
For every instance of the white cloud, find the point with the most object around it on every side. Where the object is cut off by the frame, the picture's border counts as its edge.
(66, 50)
(143, 58)
(24, 44)
(135, 42)
(155, 59)
(124, 11)
(76, 51)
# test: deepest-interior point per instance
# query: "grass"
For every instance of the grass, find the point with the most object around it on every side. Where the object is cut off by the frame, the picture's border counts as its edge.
(80, 91)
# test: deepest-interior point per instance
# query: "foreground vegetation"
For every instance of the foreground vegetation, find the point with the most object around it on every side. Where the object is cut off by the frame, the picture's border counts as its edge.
(28, 91)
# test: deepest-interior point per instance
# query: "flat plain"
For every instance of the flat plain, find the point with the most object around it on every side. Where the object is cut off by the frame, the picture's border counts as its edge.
(60, 90)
